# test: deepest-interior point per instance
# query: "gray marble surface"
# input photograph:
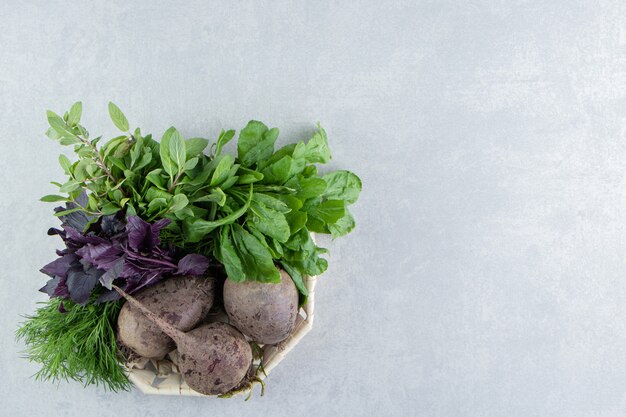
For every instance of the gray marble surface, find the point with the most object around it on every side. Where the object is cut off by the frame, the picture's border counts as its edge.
(487, 274)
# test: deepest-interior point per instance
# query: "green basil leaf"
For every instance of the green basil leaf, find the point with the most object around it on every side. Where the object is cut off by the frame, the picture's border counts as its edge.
(155, 178)
(179, 201)
(222, 140)
(184, 213)
(154, 192)
(118, 118)
(164, 151)
(178, 152)
(145, 160)
(191, 164)
(222, 170)
(195, 146)
(157, 204)
(136, 151)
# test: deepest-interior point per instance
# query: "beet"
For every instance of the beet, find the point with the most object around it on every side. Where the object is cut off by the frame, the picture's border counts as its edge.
(265, 312)
(182, 301)
(214, 358)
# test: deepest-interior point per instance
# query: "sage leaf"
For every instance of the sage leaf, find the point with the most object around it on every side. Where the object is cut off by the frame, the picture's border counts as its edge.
(65, 163)
(118, 118)
(74, 114)
(52, 198)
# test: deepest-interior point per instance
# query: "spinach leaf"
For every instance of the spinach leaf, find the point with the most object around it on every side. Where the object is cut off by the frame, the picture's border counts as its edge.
(342, 185)
(255, 143)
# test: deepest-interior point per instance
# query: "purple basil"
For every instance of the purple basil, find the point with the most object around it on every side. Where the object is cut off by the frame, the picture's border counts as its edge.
(100, 252)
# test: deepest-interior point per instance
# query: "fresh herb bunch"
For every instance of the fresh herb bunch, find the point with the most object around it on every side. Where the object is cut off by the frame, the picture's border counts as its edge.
(253, 212)
(78, 344)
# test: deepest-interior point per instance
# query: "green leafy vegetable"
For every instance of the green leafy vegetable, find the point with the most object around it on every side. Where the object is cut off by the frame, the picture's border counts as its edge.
(256, 143)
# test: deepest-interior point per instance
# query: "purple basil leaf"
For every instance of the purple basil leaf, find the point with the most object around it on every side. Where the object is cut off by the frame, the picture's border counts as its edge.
(156, 231)
(50, 286)
(103, 256)
(112, 274)
(77, 238)
(82, 199)
(193, 264)
(80, 283)
(62, 308)
(148, 279)
(111, 225)
(52, 231)
(59, 266)
(138, 230)
(77, 219)
(142, 236)
(108, 296)
(129, 270)
(56, 287)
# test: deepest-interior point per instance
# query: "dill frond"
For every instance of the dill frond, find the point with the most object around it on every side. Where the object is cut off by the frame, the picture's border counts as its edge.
(78, 345)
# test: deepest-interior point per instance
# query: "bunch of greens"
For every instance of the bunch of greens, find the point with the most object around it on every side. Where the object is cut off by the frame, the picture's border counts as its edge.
(253, 212)
(137, 210)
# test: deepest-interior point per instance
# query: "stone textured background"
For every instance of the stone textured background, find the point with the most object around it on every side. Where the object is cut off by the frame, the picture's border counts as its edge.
(487, 273)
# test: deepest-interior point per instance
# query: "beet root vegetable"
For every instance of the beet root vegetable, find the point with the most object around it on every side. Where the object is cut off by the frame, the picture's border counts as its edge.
(265, 312)
(182, 301)
(214, 357)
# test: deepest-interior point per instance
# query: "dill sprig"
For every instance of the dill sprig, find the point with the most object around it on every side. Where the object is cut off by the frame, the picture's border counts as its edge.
(79, 344)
